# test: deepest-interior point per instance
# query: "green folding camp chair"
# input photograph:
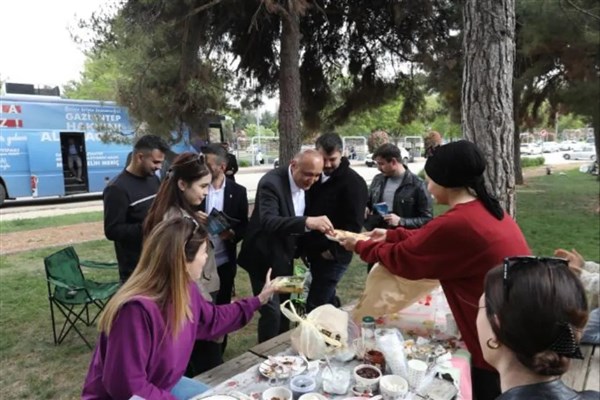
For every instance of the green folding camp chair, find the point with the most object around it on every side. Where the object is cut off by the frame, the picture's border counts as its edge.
(72, 294)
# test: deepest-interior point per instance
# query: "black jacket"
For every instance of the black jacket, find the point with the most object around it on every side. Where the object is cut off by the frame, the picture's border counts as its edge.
(235, 205)
(553, 390)
(273, 230)
(342, 198)
(412, 202)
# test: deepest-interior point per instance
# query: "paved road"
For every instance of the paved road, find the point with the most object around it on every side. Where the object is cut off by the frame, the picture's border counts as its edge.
(248, 177)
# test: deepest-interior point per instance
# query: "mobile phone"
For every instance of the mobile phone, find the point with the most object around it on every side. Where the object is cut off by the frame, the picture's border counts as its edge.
(381, 208)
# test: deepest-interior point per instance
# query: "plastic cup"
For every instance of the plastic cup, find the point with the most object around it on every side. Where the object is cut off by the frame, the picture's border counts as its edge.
(416, 372)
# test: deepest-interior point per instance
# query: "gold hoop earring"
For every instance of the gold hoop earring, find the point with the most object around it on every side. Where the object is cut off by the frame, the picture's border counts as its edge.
(489, 344)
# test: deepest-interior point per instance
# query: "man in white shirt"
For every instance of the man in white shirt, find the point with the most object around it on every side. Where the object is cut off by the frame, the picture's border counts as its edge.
(276, 224)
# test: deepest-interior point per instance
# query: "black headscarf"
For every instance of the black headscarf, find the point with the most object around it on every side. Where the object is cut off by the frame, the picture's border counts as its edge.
(462, 164)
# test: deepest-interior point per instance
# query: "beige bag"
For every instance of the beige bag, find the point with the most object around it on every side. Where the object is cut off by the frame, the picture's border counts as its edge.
(324, 330)
(386, 293)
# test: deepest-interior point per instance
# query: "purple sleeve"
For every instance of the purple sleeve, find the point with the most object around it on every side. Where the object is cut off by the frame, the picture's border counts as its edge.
(215, 321)
(127, 352)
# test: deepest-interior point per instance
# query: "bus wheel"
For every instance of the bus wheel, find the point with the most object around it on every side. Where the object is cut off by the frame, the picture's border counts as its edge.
(2, 194)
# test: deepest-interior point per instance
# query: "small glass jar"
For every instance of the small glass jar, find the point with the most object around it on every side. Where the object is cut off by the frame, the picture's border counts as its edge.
(368, 333)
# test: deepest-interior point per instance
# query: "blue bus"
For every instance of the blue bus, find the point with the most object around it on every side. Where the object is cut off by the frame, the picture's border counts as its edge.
(36, 131)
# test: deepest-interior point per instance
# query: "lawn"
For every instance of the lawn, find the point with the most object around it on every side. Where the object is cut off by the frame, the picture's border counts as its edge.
(555, 210)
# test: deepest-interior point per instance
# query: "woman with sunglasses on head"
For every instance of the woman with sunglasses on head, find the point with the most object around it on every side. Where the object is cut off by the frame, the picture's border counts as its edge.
(457, 247)
(180, 194)
(529, 323)
(149, 327)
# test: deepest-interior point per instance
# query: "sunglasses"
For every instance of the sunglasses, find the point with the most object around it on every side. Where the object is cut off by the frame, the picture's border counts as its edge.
(194, 229)
(199, 158)
(510, 262)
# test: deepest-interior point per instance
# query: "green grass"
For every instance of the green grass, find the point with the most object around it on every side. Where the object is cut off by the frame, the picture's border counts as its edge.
(19, 225)
(553, 211)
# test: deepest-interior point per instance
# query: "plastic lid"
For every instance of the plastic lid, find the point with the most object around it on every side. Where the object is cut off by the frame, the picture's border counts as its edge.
(303, 384)
(368, 318)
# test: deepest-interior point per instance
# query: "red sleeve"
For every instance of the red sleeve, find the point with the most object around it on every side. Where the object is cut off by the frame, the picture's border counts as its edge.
(398, 234)
(435, 251)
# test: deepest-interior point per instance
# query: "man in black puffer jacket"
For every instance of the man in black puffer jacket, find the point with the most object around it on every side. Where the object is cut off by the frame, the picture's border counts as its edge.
(340, 194)
(405, 194)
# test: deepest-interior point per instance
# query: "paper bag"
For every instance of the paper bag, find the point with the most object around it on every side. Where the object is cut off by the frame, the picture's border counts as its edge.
(386, 293)
(323, 331)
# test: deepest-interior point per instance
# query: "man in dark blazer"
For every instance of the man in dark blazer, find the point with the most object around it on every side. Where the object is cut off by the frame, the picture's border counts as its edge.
(276, 224)
(231, 198)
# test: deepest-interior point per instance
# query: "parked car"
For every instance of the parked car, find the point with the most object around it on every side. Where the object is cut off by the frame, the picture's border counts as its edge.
(550, 147)
(585, 153)
(530, 149)
(406, 157)
(567, 144)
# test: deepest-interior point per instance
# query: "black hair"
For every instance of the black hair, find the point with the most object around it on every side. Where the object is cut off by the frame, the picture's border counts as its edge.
(217, 150)
(544, 295)
(388, 152)
(149, 143)
(329, 142)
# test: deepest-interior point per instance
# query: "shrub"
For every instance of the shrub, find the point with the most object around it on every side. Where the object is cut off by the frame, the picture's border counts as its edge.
(532, 161)
(243, 163)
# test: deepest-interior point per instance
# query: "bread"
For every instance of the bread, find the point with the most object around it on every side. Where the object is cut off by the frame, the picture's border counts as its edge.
(341, 234)
(289, 284)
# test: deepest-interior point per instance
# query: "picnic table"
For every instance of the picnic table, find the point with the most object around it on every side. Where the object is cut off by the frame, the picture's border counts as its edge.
(428, 314)
(241, 373)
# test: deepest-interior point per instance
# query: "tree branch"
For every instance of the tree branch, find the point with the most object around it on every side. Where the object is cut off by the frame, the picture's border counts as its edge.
(581, 10)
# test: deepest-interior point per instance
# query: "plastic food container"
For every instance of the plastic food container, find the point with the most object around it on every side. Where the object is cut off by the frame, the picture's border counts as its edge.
(302, 384)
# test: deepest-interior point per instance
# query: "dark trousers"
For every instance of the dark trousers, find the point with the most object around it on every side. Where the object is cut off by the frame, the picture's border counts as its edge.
(205, 355)
(271, 322)
(227, 274)
(485, 383)
(325, 276)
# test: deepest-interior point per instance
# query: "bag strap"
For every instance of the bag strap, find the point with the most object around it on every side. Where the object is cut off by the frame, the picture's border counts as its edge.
(293, 316)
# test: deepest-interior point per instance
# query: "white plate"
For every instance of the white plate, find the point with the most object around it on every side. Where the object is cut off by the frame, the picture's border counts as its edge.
(215, 397)
(292, 366)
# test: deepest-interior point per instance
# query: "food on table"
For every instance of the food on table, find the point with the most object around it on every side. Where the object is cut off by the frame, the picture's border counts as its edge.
(368, 373)
(289, 284)
(282, 367)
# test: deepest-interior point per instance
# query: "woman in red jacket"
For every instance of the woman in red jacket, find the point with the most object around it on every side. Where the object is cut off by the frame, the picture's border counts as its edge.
(458, 247)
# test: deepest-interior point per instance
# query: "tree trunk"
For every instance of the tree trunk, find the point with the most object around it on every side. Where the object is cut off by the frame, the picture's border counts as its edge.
(517, 137)
(487, 96)
(289, 88)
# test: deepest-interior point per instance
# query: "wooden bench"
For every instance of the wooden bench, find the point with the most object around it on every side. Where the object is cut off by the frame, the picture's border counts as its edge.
(241, 363)
(584, 374)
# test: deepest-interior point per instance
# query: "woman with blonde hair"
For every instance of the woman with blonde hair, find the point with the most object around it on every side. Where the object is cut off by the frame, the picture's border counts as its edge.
(148, 329)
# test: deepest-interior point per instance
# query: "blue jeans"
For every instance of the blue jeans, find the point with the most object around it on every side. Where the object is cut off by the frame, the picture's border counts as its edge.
(187, 388)
(591, 332)
(326, 274)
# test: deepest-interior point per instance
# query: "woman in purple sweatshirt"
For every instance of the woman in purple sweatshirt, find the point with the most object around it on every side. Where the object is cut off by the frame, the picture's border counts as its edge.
(148, 329)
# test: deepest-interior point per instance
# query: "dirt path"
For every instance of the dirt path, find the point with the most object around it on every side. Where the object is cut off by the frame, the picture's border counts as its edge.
(67, 235)
(48, 237)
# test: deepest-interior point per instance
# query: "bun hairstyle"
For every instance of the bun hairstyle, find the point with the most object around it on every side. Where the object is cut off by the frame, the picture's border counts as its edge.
(188, 167)
(462, 164)
(537, 312)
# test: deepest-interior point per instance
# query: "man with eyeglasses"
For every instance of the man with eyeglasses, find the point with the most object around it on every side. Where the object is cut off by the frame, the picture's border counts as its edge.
(276, 223)
(127, 199)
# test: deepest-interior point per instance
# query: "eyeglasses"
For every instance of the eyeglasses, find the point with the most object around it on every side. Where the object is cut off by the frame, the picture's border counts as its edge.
(510, 262)
(199, 158)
